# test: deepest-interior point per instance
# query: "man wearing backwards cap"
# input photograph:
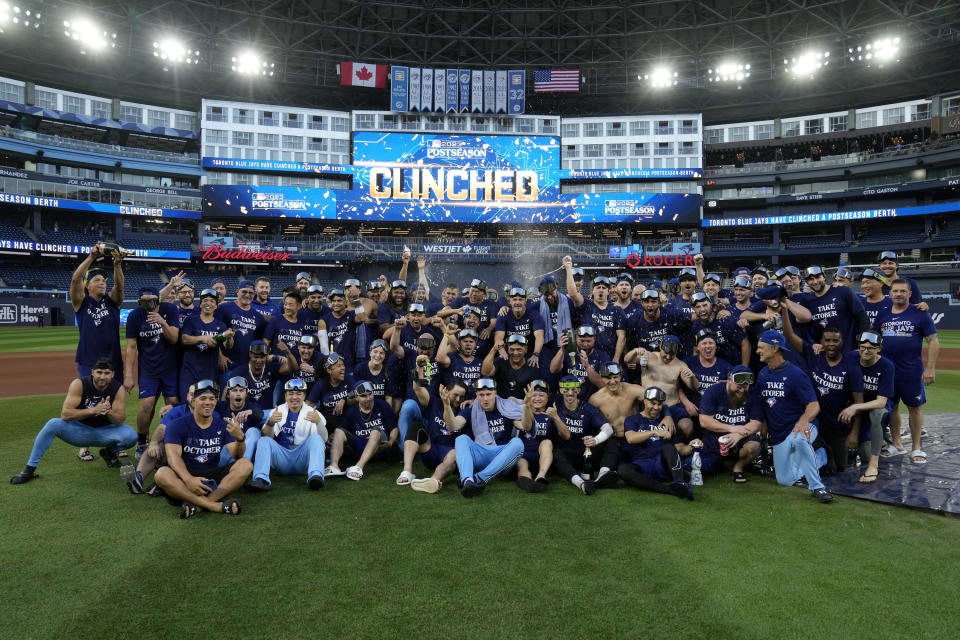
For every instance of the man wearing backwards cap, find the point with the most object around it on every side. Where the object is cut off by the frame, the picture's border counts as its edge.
(888, 264)
(790, 409)
(92, 415)
(152, 333)
(730, 409)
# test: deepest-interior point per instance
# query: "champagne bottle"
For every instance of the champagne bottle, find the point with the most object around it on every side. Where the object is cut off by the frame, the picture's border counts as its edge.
(587, 464)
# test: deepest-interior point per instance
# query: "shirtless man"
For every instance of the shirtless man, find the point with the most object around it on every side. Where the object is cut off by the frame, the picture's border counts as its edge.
(616, 401)
(664, 370)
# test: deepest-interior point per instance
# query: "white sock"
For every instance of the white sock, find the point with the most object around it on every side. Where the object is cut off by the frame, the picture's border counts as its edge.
(602, 471)
(576, 481)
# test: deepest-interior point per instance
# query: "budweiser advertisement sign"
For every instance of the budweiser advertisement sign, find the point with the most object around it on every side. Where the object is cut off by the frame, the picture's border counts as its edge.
(219, 252)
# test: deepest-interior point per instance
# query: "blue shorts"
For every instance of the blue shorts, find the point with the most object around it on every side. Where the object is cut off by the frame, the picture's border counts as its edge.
(432, 458)
(652, 468)
(152, 385)
(531, 450)
(909, 388)
(359, 444)
(679, 412)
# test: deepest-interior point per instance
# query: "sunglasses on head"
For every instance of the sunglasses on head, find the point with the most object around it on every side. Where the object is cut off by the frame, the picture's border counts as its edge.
(572, 386)
(237, 381)
(209, 293)
(703, 334)
(547, 287)
(309, 341)
(415, 308)
(295, 384)
(655, 394)
(426, 343)
(374, 285)
(844, 273)
(517, 291)
(874, 274)
(888, 255)
(476, 283)
(398, 284)
(742, 377)
(484, 383)
(699, 296)
(712, 277)
(206, 386)
(601, 281)
(471, 309)
(363, 389)
(379, 342)
(350, 282)
(332, 359)
(315, 288)
(743, 282)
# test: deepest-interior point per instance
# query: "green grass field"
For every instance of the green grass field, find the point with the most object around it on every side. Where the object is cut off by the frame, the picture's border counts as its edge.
(370, 559)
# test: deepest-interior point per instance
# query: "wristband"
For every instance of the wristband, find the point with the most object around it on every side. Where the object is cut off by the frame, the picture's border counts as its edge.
(243, 439)
(536, 353)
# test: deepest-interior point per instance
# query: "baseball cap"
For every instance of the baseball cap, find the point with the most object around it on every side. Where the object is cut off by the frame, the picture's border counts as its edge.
(569, 382)
(217, 281)
(670, 340)
(244, 284)
(148, 291)
(96, 272)
(775, 339)
(772, 292)
(741, 271)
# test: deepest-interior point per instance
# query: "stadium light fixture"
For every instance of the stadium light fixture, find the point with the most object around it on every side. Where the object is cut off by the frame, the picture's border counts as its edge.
(729, 72)
(249, 63)
(877, 53)
(88, 36)
(172, 51)
(13, 16)
(660, 77)
(806, 65)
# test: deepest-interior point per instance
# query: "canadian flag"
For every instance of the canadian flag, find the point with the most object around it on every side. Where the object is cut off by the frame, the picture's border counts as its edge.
(361, 74)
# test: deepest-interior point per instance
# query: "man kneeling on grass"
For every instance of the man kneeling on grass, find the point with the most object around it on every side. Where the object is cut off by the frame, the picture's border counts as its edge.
(193, 446)
(494, 449)
(292, 441)
(368, 428)
(92, 415)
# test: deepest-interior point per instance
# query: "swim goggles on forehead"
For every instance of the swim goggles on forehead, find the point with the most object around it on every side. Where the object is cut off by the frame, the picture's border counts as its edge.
(364, 388)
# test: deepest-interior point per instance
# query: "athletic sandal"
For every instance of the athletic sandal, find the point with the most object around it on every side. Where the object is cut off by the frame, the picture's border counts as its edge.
(230, 507)
(540, 485)
(84, 455)
(332, 472)
(918, 457)
(607, 480)
(868, 478)
(187, 510)
(405, 478)
(891, 451)
(426, 485)
(354, 473)
(527, 484)
(739, 478)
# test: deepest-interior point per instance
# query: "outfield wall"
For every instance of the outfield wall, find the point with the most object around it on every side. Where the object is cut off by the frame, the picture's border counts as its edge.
(26, 312)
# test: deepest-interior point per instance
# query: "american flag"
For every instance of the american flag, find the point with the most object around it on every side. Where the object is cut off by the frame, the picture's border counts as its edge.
(556, 80)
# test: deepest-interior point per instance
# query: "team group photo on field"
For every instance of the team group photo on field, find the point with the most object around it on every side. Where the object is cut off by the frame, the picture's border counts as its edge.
(479, 320)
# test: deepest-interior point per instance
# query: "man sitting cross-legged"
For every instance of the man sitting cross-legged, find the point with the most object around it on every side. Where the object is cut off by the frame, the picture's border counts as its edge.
(368, 428)
(194, 444)
(292, 441)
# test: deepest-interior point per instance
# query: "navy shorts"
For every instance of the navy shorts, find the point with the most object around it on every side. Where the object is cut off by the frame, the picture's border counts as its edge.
(679, 412)
(531, 450)
(432, 458)
(152, 385)
(652, 468)
(358, 444)
(908, 387)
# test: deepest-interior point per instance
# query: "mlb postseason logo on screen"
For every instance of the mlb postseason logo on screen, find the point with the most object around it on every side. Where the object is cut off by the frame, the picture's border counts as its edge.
(628, 208)
(472, 149)
(263, 200)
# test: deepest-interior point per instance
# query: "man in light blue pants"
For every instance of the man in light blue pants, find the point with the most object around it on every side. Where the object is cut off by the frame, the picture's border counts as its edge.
(790, 409)
(92, 415)
(494, 448)
(292, 441)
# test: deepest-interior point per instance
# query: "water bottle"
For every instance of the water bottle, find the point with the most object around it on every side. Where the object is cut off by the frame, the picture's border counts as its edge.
(696, 476)
(587, 464)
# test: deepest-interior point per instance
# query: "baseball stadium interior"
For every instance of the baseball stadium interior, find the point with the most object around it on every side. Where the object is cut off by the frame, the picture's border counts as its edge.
(222, 142)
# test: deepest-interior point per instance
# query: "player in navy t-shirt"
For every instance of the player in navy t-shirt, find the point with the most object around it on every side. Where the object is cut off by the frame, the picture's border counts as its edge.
(731, 342)
(368, 429)
(287, 328)
(493, 449)
(523, 321)
(833, 307)
(790, 409)
(602, 315)
(586, 359)
(705, 365)
(903, 329)
(332, 394)
(730, 410)
(462, 364)
(878, 390)
(536, 432)
(193, 446)
(888, 264)
(201, 337)
(651, 458)
(579, 425)
(152, 333)
(97, 312)
(424, 431)
(247, 323)
(873, 299)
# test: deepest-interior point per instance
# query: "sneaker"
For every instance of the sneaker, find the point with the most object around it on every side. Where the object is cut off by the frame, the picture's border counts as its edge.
(607, 480)
(425, 485)
(588, 487)
(259, 484)
(110, 458)
(681, 490)
(23, 477)
(133, 478)
(314, 483)
(822, 495)
(141, 448)
(527, 484)
(153, 490)
(471, 488)
(801, 482)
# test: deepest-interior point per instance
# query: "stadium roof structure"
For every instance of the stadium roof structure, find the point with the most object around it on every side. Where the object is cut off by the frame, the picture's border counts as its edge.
(612, 42)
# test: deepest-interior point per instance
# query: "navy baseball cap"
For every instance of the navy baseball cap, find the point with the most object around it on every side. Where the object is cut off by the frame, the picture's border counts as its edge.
(513, 284)
(672, 281)
(569, 382)
(741, 271)
(770, 293)
(740, 369)
(775, 339)
(655, 284)
(96, 272)
(148, 291)
(217, 281)
(245, 284)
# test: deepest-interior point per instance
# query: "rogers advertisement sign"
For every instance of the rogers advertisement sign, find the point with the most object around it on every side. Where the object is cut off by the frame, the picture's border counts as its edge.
(219, 252)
